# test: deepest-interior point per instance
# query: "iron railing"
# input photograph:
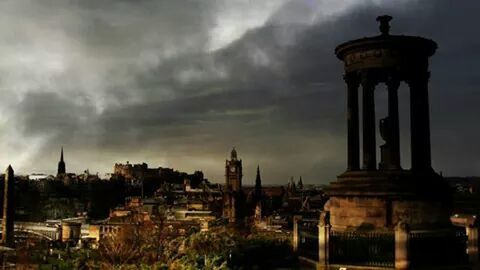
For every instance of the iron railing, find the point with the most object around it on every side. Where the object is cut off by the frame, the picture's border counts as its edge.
(308, 239)
(362, 248)
(447, 247)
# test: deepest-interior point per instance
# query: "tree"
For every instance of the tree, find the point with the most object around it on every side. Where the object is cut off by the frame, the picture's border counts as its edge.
(133, 244)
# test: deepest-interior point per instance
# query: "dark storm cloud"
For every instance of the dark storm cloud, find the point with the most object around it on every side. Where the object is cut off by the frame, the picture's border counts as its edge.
(51, 114)
(138, 81)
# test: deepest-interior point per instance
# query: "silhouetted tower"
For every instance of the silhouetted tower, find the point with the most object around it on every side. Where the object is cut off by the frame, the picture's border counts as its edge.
(258, 186)
(233, 172)
(61, 165)
(258, 196)
(8, 209)
(234, 200)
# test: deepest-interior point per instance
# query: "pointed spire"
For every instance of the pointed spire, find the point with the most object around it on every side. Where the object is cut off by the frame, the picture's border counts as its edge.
(61, 164)
(258, 179)
(258, 185)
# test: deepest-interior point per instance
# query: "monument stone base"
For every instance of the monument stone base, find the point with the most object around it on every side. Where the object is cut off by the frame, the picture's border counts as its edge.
(392, 220)
(380, 200)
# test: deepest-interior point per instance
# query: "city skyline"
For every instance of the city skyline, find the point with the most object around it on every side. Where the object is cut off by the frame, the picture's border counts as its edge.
(123, 86)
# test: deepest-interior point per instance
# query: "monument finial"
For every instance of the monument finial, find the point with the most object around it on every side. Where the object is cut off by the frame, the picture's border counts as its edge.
(384, 24)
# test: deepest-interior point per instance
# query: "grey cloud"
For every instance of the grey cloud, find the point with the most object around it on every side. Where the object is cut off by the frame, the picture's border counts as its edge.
(141, 85)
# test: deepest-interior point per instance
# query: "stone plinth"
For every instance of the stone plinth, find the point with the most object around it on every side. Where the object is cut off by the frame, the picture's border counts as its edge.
(379, 200)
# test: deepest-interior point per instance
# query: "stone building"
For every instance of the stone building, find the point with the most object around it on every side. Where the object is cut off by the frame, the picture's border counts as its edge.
(135, 171)
(141, 172)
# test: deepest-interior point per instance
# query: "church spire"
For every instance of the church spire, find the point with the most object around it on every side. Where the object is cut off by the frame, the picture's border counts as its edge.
(258, 185)
(61, 164)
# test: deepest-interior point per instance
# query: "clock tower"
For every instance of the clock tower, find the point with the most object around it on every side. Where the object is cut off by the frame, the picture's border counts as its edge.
(233, 172)
(234, 198)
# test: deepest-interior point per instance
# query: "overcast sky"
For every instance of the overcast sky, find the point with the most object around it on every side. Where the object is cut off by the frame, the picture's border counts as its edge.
(178, 83)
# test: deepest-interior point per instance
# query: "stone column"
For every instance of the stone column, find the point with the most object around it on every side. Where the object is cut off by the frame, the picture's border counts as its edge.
(394, 123)
(8, 209)
(369, 132)
(296, 220)
(420, 121)
(353, 83)
(323, 239)
(402, 260)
